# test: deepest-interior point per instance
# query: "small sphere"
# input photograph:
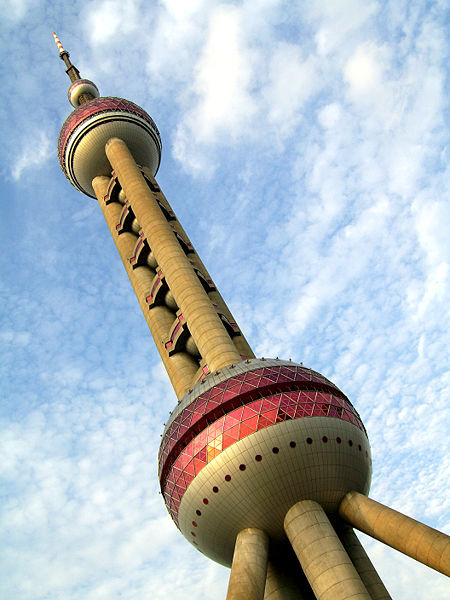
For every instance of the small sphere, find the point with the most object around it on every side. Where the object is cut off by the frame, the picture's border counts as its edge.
(135, 227)
(83, 136)
(170, 302)
(191, 347)
(80, 87)
(121, 197)
(151, 260)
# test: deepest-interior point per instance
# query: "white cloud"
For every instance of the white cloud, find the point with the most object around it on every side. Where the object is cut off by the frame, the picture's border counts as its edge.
(35, 152)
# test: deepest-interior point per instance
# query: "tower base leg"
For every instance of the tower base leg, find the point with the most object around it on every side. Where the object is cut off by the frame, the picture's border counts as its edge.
(325, 562)
(249, 567)
(363, 564)
(423, 543)
(285, 579)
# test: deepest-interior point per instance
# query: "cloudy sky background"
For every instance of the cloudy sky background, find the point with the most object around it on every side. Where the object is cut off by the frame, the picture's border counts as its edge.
(305, 151)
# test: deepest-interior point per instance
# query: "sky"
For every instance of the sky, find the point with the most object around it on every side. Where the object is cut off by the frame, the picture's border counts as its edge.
(306, 153)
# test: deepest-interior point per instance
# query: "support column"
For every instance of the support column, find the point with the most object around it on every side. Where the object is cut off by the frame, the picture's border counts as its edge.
(326, 564)
(423, 543)
(180, 367)
(248, 570)
(286, 582)
(210, 335)
(363, 564)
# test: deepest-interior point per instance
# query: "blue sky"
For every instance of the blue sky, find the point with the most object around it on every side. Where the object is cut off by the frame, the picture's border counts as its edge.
(305, 151)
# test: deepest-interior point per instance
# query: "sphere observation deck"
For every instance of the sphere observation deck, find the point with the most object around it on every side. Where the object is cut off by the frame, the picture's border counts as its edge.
(82, 139)
(252, 440)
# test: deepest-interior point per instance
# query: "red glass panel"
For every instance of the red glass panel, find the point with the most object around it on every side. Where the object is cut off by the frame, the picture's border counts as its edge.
(252, 423)
(268, 404)
(233, 432)
(307, 409)
(230, 421)
(227, 440)
(248, 413)
(245, 431)
(271, 415)
(201, 455)
(198, 464)
(237, 413)
(189, 468)
(247, 387)
(263, 422)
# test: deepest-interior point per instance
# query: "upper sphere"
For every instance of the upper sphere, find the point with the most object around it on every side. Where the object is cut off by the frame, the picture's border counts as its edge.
(82, 139)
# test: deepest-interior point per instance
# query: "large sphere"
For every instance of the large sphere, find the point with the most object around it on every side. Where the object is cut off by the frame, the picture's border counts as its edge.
(82, 139)
(252, 440)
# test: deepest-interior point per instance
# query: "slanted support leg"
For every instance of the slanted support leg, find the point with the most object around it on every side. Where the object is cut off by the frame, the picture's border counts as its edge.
(249, 567)
(326, 564)
(423, 543)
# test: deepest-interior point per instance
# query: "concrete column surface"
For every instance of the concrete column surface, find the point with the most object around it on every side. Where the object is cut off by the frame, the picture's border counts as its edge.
(325, 562)
(180, 367)
(210, 335)
(423, 543)
(362, 563)
(249, 567)
(286, 583)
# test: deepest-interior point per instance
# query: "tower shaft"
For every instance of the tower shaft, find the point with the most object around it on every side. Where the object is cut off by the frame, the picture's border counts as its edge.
(192, 327)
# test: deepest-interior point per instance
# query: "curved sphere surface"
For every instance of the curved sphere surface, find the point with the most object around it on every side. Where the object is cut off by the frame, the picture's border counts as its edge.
(79, 87)
(252, 440)
(82, 139)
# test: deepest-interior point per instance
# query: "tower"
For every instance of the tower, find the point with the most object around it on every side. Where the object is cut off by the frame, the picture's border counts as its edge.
(259, 455)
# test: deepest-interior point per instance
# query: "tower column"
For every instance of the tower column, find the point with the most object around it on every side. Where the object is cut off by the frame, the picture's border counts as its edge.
(249, 567)
(180, 367)
(324, 560)
(205, 326)
(286, 582)
(423, 543)
(363, 564)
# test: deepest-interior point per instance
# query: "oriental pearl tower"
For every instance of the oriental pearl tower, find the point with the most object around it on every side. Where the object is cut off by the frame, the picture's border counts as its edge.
(264, 464)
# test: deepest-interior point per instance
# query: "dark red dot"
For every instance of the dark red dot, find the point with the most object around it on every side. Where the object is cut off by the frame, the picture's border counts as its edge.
(192, 533)
(275, 450)
(309, 440)
(205, 501)
(195, 543)
(227, 477)
(215, 489)
(194, 523)
(338, 439)
(258, 458)
(292, 444)
(198, 512)
(359, 447)
(324, 439)
(350, 443)
(242, 467)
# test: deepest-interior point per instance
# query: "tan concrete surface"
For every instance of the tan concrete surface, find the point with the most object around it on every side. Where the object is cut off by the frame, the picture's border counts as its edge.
(423, 543)
(325, 562)
(210, 336)
(181, 368)
(239, 341)
(248, 570)
(363, 564)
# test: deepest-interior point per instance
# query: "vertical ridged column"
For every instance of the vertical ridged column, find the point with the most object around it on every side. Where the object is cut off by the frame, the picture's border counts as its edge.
(180, 367)
(326, 564)
(242, 346)
(207, 330)
(248, 570)
(363, 564)
(423, 543)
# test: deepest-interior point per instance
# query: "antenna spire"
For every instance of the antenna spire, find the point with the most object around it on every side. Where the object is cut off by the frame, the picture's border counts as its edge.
(81, 90)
